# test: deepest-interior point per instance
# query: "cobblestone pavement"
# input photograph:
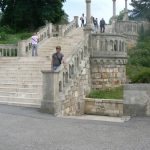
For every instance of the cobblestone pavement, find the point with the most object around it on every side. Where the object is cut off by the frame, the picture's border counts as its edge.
(28, 129)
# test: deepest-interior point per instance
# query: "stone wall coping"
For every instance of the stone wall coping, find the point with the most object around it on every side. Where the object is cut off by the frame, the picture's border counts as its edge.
(137, 86)
(129, 21)
(49, 71)
(8, 45)
(109, 34)
(118, 101)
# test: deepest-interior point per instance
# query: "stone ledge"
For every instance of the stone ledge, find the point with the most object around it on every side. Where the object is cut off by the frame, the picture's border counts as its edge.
(136, 86)
(103, 107)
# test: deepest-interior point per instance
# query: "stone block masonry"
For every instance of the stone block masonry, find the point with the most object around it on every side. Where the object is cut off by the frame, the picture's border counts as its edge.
(105, 75)
(108, 60)
(105, 107)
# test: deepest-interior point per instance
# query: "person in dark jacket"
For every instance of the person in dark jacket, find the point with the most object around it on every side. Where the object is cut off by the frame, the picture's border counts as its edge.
(102, 25)
(57, 58)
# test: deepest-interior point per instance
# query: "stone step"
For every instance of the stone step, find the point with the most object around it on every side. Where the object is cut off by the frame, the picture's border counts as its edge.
(21, 82)
(21, 94)
(16, 85)
(16, 89)
(22, 104)
(20, 99)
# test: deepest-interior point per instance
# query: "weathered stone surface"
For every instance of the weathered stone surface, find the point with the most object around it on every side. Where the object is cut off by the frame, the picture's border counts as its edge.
(103, 107)
(137, 99)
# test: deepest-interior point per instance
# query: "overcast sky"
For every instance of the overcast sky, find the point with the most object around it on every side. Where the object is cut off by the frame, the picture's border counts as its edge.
(99, 8)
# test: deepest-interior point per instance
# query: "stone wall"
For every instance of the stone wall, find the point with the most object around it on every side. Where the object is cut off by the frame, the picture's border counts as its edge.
(108, 60)
(103, 107)
(137, 100)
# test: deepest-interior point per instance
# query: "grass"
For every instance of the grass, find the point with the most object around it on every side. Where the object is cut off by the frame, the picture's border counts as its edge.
(115, 93)
(14, 38)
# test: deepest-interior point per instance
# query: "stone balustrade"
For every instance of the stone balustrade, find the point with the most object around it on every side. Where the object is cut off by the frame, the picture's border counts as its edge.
(108, 45)
(108, 60)
(73, 24)
(8, 50)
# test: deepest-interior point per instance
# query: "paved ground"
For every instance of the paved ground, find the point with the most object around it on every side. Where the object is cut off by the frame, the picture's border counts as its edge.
(28, 129)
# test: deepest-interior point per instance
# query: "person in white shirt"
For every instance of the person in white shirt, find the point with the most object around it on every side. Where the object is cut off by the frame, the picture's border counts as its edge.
(82, 18)
(34, 44)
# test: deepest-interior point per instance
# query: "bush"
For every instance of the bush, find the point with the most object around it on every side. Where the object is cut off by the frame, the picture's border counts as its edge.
(3, 36)
(25, 35)
(7, 30)
(138, 68)
(142, 77)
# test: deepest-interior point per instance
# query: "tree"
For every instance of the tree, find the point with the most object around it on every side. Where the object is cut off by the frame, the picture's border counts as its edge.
(141, 9)
(120, 16)
(30, 14)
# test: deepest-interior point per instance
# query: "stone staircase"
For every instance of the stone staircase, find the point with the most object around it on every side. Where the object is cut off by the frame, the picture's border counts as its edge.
(21, 77)
(21, 80)
(67, 43)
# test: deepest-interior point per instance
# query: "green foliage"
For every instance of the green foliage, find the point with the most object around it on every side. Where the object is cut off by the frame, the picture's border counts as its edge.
(30, 14)
(7, 30)
(140, 55)
(25, 35)
(142, 77)
(13, 38)
(141, 9)
(120, 16)
(116, 93)
(138, 68)
(3, 36)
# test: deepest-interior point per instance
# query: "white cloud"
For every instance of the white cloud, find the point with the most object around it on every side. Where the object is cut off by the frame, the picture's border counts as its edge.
(99, 8)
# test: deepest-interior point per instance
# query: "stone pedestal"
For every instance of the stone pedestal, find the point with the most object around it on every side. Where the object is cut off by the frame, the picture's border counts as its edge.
(76, 20)
(50, 103)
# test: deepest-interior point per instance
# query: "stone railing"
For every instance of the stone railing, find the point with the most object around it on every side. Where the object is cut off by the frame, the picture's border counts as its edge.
(63, 30)
(25, 46)
(108, 60)
(72, 25)
(128, 27)
(64, 89)
(108, 45)
(7, 50)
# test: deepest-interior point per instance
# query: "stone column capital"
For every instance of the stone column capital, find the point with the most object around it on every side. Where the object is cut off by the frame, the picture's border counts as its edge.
(88, 1)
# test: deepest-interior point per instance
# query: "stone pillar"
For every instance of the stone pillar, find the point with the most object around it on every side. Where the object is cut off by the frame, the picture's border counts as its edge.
(50, 103)
(114, 8)
(22, 48)
(76, 20)
(88, 13)
(126, 11)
